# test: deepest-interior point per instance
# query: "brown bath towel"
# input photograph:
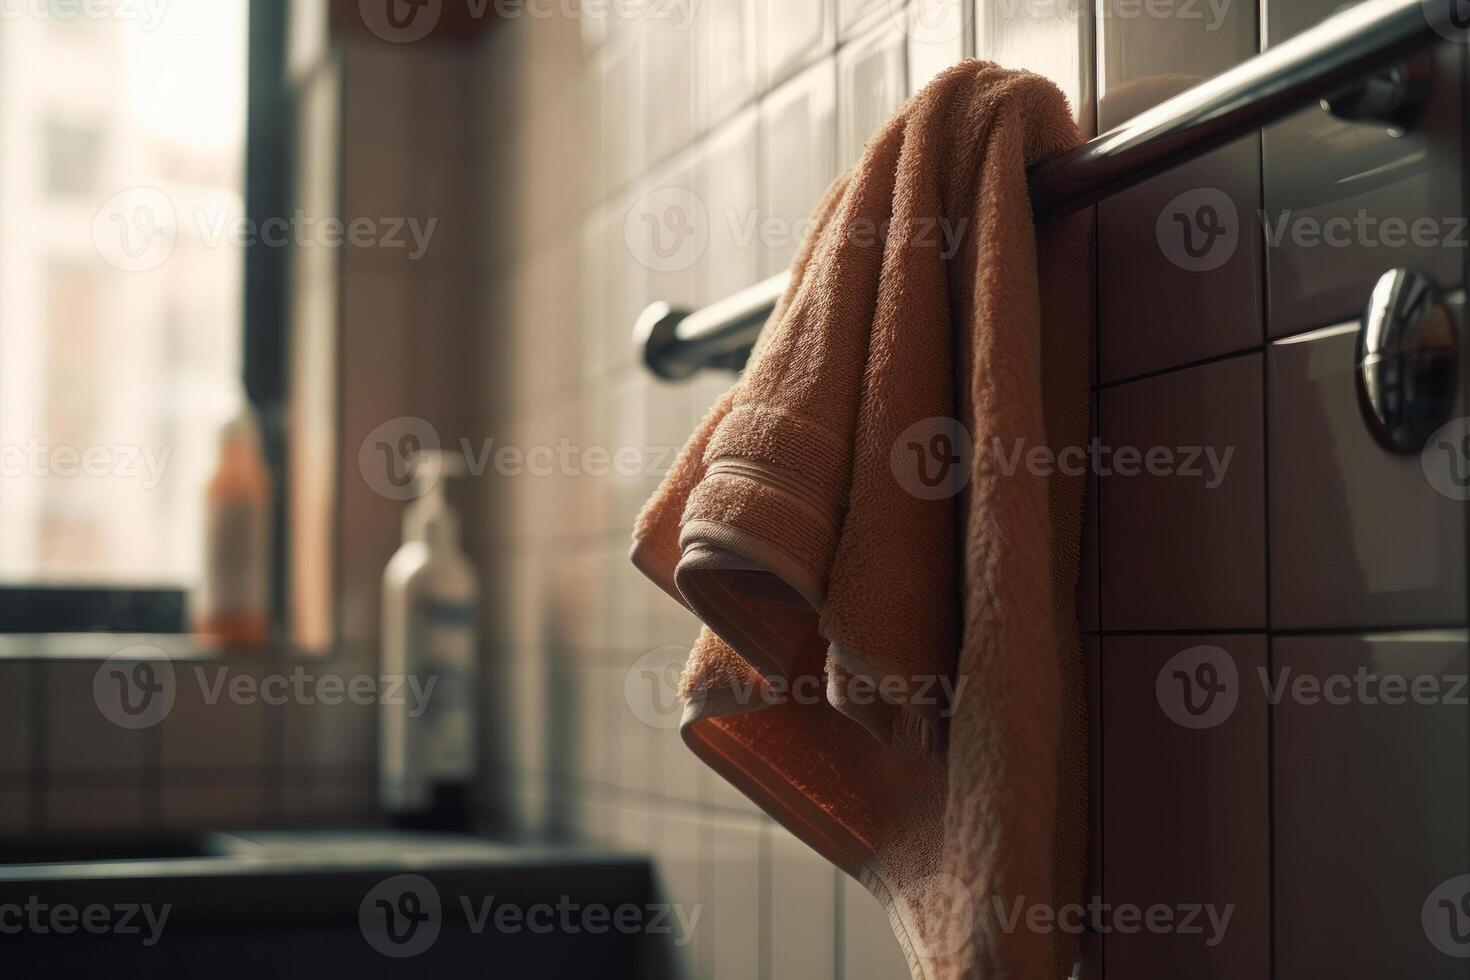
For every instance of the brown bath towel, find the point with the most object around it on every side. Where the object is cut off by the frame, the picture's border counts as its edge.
(870, 526)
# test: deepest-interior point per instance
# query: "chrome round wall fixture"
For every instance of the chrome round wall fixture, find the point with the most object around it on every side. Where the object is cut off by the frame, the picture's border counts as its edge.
(1394, 97)
(1407, 361)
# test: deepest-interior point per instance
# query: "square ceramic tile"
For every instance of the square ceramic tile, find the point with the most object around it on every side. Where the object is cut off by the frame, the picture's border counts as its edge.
(16, 696)
(668, 79)
(666, 232)
(581, 597)
(1359, 536)
(211, 807)
(642, 725)
(937, 33)
(727, 66)
(852, 15)
(870, 951)
(219, 715)
(94, 810)
(1055, 40)
(625, 288)
(1185, 804)
(544, 312)
(716, 791)
(1179, 269)
(797, 32)
(733, 857)
(798, 146)
(677, 873)
(1347, 201)
(100, 715)
(343, 735)
(325, 801)
(15, 812)
(803, 909)
(1181, 492)
(584, 726)
(727, 182)
(1092, 943)
(1371, 805)
(635, 831)
(621, 124)
(1179, 262)
(682, 769)
(595, 318)
(872, 82)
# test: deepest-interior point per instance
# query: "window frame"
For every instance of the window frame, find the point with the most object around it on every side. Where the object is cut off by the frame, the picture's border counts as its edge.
(80, 608)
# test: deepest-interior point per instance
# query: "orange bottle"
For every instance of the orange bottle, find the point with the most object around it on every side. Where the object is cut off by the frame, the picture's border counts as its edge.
(232, 606)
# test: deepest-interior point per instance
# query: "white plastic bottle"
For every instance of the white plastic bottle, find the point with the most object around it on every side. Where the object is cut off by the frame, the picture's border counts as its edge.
(428, 734)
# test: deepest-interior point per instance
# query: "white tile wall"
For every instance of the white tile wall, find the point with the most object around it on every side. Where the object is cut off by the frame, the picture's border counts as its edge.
(784, 94)
(727, 73)
(798, 147)
(869, 949)
(735, 899)
(872, 82)
(938, 35)
(795, 33)
(803, 914)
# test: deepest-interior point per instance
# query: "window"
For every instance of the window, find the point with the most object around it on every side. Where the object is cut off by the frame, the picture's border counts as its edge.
(121, 289)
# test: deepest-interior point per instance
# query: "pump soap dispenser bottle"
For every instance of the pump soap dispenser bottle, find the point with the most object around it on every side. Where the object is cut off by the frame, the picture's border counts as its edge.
(427, 736)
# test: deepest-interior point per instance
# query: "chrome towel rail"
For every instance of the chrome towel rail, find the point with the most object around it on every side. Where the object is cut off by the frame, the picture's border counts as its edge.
(1333, 62)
